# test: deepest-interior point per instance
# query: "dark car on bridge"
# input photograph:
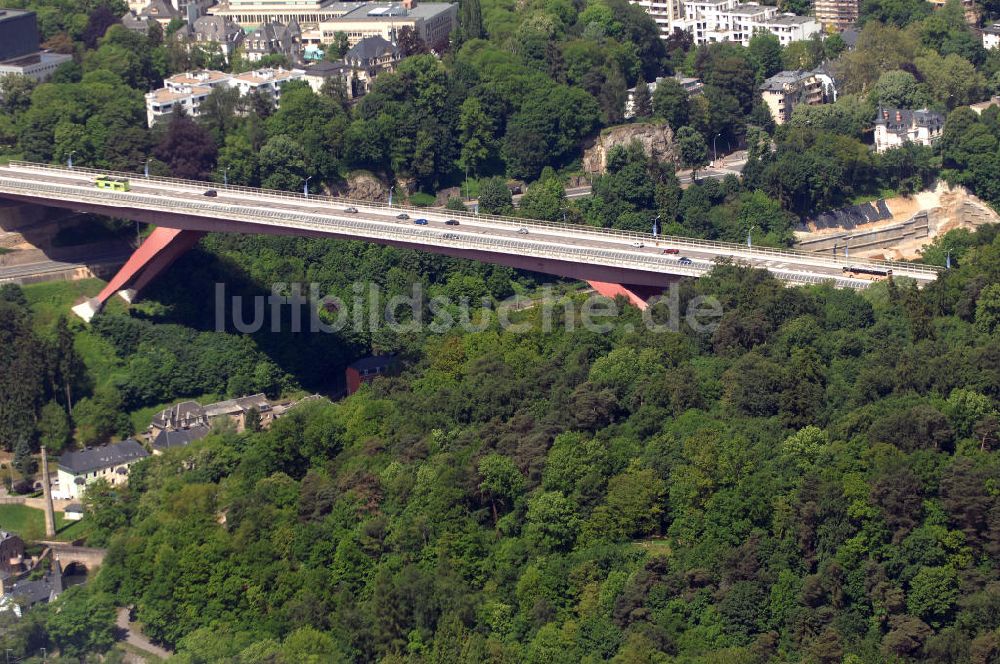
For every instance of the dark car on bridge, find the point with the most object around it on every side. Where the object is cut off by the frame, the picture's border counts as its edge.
(402, 216)
(211, 192)
(451, 222)
(420, 222)
(684, 260)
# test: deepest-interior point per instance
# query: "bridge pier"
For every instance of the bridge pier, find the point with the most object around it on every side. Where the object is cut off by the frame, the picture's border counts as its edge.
(156, 253)
(637, 294)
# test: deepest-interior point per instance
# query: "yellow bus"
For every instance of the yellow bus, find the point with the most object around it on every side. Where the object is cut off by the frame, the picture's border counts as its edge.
(114, 184)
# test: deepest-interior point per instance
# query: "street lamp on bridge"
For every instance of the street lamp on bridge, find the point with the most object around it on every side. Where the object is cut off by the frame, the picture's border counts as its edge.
(305, 187)
(69, 160)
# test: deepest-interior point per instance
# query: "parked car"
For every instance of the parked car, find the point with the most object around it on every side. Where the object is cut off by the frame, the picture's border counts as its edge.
(402, 216)
(671, 251)
(420, 222)
(211, 192)
(522, 231)
(451, 222)
(352, 209)
(684, 260)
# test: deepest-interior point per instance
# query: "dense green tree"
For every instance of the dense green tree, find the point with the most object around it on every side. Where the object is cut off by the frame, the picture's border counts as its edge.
(54, 431)
(187, 149)
(642, 101)
(692, 148)
(495, 197)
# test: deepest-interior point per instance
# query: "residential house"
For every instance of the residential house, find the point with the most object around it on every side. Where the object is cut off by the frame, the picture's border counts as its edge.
(370, 57)
(237, 411)
(160, 11)
(198, 420)
(991, 36)
(368, 369)
(169, 439)
(132, 21)
(183, 415)
(896, 126)
(212, 31)
(786, 90)
(73, 512)
(109, 462)
(20, 596)
(11, 554)
(274, 38)
(979, 107)
(318, 73)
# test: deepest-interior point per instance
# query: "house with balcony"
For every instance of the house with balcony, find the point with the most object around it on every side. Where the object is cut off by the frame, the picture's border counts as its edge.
(788, 89)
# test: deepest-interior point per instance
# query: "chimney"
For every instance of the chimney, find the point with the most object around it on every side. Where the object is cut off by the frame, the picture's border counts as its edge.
(899, 116)
(50, 517)
(885, 114)
(409, 4)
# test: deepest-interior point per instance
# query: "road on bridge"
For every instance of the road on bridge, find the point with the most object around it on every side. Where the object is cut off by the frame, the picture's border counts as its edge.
(489, 237)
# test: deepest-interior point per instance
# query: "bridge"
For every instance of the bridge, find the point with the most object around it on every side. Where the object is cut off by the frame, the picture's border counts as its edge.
(635, 265)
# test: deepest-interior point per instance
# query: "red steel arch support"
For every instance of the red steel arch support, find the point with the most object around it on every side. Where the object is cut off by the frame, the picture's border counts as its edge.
(637, 295)
(155, 254)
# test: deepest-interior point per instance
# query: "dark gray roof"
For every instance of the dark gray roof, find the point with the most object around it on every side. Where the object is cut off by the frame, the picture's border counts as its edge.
(74, 507)
(102, 457)
(326, 68)
(217, 28)
(779, 81)
(166, 440)
(371, 48)
(33, 592)
(850, 37)
(901, 119)
(373, 362)
(186, 413)
(159, 9)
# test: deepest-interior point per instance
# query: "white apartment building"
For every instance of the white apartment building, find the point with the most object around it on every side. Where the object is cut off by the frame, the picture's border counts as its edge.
(789, 28)
(667, 14)
(991, 36)
(896, 126)
(189, 90)
(711, 21)
(38, 66)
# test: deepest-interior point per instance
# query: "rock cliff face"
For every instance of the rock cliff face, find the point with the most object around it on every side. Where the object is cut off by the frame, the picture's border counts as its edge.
(365, 187)
(656, 139)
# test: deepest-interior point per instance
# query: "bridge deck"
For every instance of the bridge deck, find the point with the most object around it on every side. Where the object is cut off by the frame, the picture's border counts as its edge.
(578, 251)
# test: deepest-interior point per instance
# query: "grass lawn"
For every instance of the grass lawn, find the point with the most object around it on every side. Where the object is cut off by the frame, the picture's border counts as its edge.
(50, 300)
(29, 523)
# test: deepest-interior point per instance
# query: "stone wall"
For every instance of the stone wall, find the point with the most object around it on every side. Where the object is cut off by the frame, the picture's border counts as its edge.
(657, 140)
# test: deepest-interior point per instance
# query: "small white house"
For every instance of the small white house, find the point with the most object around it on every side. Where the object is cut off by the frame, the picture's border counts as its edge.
(991, 36)
(896, 126)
